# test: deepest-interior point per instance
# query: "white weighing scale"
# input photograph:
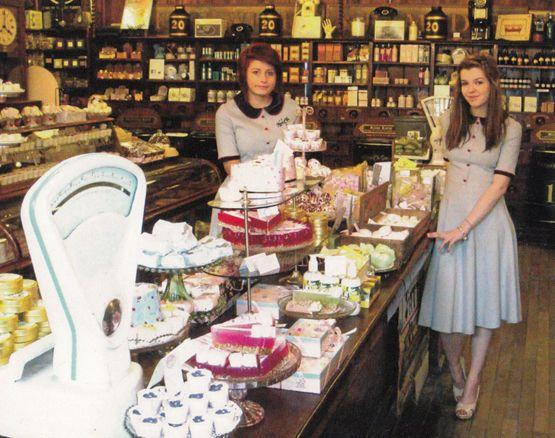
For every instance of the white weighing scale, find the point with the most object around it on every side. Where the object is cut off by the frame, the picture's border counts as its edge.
(82, 221)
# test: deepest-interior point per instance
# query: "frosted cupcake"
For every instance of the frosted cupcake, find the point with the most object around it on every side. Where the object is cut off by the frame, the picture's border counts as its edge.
(149, 401)
(10, 117)
(223, 420)
(198, 403)
(199, 380)
(32, 116)
(218, 394)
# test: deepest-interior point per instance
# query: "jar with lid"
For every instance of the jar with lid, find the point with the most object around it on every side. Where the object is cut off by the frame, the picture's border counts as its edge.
(220, 96)
(180, 22)
(269, 22)
(230, 95)
(435, 24)
(211, 96)
(358, 27)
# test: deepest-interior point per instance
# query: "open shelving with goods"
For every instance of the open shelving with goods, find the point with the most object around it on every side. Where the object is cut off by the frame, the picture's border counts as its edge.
(527, 76)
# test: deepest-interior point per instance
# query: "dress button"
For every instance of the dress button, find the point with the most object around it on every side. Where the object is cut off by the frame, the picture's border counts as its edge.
(473, 136)
(468, 150)
(267, 142)
(464, 180)
(265, 129)
(467, 164)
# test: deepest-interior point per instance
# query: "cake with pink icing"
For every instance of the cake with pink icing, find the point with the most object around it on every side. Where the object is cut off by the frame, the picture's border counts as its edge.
(244, 338)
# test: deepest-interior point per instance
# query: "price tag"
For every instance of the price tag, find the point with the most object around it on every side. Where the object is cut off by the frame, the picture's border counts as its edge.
(264, 213)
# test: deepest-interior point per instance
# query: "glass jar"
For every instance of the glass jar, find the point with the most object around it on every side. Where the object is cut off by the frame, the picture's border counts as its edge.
(358, 27)
(211, 96)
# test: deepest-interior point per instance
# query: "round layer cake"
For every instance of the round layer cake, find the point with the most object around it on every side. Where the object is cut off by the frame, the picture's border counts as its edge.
(287, 236)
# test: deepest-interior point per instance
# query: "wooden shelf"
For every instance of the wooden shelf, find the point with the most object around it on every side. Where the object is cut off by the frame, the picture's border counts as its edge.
(18, 103)
(399, 86)
(341, 62)
(297, 62)
(334, 84)
(118, 80)
(216, 60)
(171, 81)
(402, 64)
(126, 61)
(57, 126)
(212, 81)
(528, 67)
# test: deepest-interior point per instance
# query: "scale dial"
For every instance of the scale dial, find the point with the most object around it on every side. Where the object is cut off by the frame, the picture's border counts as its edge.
(97, 191)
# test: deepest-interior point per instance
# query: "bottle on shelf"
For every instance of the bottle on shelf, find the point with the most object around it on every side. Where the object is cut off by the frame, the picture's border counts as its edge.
(401, 101)
(421, 72)
(394, 53)
(538, 29)
(413, 31)
(409, 101)
(550, 29)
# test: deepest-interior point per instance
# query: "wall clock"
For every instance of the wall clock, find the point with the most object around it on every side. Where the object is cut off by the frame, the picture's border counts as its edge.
(8, 27)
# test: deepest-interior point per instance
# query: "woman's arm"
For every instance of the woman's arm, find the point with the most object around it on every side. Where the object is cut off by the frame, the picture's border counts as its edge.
(227, 165)
(506, 164)
(226, 142)
(485, 204)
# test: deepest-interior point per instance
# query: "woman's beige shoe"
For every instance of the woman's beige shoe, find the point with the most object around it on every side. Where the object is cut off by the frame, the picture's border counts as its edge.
(465, 411)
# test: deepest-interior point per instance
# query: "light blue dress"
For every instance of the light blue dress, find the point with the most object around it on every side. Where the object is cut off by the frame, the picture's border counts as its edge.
(477, 283)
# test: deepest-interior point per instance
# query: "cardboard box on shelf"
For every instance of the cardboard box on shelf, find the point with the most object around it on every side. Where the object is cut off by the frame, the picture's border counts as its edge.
(314, 374)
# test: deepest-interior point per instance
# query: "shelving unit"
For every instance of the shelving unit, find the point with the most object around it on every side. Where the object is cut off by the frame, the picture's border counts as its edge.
(65, 52)
(299, 72)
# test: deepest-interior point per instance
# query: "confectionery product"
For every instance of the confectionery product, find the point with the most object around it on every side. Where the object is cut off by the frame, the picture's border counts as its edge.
(270, 361)
(200, 426)
(300, 139)
(146, 305)
(253, 338)
(175, 410)
(149, 401)
(223, 419)
(234, 220)
(179, 235)
(218, 395)
(149, 427)
(199, 380)
(259, 175)
(288, 235)
(198, 402)
(176, 430)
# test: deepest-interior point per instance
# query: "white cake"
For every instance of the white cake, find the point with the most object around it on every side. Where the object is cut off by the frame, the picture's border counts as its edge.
(258, 175)
(218, 394)
(200, 426)
(223, 419)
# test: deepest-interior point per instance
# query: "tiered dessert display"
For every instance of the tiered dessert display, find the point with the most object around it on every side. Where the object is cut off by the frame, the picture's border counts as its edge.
(247, 353)
(172, 249)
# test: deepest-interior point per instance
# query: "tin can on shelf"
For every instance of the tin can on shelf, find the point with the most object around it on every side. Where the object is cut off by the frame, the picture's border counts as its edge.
(435, 24)
(269, 22)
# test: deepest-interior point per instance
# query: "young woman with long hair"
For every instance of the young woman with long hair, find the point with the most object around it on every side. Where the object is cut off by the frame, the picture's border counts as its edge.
(473, 283)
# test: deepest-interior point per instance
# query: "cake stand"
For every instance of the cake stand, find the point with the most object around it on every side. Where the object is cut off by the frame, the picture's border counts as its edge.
(163, 343)
(4, 95)
(253, 413)
(247, 203)
(237, 415)
(175, 287)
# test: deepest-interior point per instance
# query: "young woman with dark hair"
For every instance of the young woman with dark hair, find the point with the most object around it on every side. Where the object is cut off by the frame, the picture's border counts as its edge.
(473, 282)
(253, 121)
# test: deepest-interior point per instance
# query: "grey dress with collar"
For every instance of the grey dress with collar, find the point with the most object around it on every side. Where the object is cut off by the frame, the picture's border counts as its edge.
(477, 283)
(244, 132)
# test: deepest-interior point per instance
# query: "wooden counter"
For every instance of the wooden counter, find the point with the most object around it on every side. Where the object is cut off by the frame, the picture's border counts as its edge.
(367, 375)
(365, 382)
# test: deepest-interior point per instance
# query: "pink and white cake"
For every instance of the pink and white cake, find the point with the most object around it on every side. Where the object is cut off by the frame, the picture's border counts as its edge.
(258, 175)
(234, 220)
(287, 236)
(244, 338)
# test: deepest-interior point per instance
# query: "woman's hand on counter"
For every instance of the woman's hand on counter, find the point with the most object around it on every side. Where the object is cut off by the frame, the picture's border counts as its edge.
(228, 164)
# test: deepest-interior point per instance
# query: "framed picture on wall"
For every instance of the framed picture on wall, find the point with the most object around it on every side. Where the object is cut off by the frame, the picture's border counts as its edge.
(389, 30)
(513, 27)
(136, 14)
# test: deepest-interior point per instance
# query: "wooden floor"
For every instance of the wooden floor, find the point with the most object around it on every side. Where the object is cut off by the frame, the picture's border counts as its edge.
(517, 397)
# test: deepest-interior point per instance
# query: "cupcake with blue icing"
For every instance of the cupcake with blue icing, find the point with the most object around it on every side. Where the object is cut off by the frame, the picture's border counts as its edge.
(175, 430)
(149, 427)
